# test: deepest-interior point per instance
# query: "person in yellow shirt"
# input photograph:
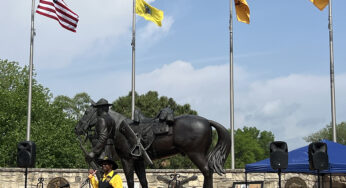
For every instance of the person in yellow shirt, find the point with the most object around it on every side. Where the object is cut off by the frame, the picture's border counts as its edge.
(110, 178)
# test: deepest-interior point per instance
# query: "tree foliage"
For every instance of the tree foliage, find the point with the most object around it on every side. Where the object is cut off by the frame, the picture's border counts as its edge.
(150, 104)
(73, 107)
(327, 133)
(51, 127)
(251, 145)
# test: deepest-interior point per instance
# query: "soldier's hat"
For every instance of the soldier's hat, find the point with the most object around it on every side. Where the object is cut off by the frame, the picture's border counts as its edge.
(102, 102)
(108, 160)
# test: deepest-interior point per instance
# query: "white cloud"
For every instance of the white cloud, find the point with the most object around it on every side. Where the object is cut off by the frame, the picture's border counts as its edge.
(150, 1)
(291, 107)
(151, 33)
(189, 85)
(102, 27)
(55, 46)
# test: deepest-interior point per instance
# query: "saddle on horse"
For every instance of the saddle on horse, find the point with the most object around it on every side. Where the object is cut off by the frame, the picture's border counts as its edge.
(148, 128)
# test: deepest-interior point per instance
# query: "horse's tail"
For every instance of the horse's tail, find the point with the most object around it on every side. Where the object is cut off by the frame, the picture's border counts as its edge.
(217, 157)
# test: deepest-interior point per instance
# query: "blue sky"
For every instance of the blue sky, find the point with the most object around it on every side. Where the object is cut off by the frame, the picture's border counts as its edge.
(281, 59)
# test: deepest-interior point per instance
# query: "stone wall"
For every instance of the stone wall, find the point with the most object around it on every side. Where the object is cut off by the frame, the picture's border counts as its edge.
(14, 178)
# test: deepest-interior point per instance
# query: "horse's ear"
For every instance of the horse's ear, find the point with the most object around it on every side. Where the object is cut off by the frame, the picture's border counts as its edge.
(92, 102)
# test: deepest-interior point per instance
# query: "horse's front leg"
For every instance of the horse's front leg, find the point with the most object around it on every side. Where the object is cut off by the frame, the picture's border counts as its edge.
(140, 171)
(128, 167)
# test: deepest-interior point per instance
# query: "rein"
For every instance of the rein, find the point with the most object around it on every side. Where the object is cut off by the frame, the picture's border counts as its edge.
(86, 132)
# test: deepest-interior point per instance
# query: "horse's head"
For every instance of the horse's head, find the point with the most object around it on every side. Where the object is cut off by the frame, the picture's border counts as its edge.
(88, 120)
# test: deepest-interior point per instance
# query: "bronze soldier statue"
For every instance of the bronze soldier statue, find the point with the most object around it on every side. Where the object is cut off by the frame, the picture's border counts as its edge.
(187, 134)
(105, 132)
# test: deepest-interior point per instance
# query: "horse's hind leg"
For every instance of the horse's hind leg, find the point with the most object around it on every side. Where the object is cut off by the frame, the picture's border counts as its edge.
(201, 162)
(128, 168)
(140, 171)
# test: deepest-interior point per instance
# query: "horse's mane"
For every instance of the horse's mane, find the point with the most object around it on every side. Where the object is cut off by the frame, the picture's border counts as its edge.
(117, 117)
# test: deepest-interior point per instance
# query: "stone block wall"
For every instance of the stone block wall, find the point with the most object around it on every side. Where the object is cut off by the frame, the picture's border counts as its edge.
(14, 178)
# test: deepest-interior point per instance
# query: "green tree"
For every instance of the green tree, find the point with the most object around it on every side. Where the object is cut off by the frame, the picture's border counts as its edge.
(264, 140)
(250, 145)
(150, 104)
(73, 107)
(326, 133)
(51, 127)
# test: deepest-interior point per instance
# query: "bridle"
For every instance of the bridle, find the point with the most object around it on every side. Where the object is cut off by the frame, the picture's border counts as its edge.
(87, 122)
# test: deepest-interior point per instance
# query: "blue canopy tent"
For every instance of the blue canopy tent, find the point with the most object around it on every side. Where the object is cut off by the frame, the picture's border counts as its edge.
(298, 161)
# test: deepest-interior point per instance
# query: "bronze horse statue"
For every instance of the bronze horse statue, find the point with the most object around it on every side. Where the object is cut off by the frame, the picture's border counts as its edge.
(190, 135)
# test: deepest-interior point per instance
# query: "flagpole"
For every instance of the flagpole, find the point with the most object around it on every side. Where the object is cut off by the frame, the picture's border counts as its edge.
(32, 35)
(332, 84)
(133, 44)
(231, 84)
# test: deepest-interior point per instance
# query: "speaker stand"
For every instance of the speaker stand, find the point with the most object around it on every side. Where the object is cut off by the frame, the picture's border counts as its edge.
(279, 172)
(26, 176)
(318, 179)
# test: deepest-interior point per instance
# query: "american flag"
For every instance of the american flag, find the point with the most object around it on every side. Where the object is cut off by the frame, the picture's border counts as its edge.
(57, 10)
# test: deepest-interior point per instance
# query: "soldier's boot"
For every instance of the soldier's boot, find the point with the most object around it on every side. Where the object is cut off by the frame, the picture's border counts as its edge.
(137, 148)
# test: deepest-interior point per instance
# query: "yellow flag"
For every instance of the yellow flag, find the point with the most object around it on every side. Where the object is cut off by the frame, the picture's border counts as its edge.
(321, 4)
(148, 12)
(242, 10)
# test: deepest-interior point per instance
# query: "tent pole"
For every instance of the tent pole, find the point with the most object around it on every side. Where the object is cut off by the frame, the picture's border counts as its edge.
(330, 180)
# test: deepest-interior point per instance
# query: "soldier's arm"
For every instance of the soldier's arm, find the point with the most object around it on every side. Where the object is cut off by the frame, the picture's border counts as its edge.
(103, 134)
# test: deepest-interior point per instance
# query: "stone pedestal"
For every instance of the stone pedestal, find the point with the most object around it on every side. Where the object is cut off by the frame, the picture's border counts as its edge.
(14, 178)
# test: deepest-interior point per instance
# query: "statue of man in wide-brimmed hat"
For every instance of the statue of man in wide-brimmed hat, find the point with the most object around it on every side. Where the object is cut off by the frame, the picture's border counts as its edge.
(104, 130)
(105, 133)
(110, 178)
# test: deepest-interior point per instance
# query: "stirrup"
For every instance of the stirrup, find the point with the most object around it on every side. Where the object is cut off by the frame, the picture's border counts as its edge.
(139, 153)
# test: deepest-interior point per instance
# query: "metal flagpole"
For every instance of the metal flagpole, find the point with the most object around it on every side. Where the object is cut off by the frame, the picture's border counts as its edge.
(332, 86)
(133, 44)
(231, 84)
(30, 70)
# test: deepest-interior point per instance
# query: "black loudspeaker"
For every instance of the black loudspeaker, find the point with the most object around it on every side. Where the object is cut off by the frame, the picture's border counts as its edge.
(26, 154)
(278, 155)
(318, 156)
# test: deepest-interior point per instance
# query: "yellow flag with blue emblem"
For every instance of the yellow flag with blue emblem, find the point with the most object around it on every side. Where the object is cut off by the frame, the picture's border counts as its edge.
(243, 11)
(148, 12)
(321, 4)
